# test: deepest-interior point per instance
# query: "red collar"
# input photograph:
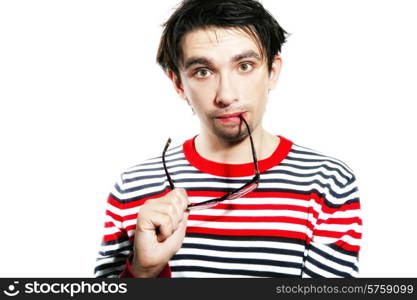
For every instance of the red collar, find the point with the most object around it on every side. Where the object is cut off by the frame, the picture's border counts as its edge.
(235, 170)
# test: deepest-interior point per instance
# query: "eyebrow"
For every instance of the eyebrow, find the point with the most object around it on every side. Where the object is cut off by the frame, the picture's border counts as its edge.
(206, 62)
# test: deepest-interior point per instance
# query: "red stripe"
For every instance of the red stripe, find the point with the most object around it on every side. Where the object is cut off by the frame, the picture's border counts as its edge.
(140, 201)
(248, 232)
(215, 194)
(319, 200)
(235, 206)
(130, 227)
(337, 234)
(113, 236)
(114, 216)
(250, 219)
(341, 221)
(348, 247)
(109, 225)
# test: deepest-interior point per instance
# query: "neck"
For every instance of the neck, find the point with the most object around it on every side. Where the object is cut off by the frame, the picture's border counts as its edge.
(213, 148)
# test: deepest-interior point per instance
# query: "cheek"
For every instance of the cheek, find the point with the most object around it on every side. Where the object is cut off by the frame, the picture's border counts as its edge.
(256, 90)
(200, 95)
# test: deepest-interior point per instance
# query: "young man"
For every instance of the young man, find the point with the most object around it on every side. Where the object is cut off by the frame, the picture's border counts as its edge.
(236, 200)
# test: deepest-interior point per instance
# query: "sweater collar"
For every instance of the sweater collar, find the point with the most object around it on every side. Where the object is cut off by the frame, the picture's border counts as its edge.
(235, 170)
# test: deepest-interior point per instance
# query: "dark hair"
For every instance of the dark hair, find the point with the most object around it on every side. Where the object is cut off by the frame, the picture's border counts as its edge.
(248, 15)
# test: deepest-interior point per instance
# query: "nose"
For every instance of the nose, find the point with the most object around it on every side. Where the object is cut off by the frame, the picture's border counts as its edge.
(226, 91)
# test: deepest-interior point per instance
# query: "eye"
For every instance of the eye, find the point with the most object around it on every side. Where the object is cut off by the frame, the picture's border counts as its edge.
(245, 67)
(202, 73)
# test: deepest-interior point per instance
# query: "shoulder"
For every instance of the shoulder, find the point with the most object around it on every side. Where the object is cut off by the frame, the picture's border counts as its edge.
(147, 178)
(308, 158)
(329, 177)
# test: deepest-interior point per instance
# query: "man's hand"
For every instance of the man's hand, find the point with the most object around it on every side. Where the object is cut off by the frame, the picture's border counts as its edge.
(160, 231)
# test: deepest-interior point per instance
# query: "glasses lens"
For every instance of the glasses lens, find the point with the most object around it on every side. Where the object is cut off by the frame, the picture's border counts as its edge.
(243, 191)
(234, 195)
(203, 205)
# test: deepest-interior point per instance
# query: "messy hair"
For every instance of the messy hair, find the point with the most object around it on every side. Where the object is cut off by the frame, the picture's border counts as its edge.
(247, 15)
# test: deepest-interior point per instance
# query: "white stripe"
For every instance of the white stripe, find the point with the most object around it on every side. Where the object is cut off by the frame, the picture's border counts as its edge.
(247, 225)
(340, 227)
(248, 244)
(241, 255)
(108, 270)
(114, 246)
(336, 254)
(305, 172)
(320, 155)
(291, 159)
(329, 240)
(319, 271)
(250, 213)
(234, 266)
(329, 263)
(109, 260)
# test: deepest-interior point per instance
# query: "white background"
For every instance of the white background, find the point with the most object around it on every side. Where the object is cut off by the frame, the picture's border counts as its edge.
(82, 98)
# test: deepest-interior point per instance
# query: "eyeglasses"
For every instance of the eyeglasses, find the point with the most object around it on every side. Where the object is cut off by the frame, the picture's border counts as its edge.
(234, 194)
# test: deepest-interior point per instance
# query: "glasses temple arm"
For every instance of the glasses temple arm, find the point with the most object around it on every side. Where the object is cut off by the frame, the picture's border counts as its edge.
(255, 159)
(171, 184)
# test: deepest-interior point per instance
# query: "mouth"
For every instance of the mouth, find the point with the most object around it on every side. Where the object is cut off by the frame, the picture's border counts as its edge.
(233, 118)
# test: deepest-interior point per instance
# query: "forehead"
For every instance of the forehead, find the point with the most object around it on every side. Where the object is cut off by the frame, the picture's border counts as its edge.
(218, 43)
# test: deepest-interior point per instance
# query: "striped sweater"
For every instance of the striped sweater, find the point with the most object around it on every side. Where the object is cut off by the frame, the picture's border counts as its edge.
(302, 220)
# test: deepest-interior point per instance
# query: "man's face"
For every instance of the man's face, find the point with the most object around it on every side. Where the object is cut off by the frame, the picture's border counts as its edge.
(223, 76)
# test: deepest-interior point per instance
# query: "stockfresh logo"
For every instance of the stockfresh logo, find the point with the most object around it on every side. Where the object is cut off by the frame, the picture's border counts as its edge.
(12, 290)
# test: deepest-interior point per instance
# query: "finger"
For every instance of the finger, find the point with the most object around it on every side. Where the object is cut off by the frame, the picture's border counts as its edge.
(182, 198)
(174, 211)
(163, 225)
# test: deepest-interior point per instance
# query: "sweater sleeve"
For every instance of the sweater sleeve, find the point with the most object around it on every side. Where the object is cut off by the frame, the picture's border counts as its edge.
(333, 249)
(116, 248)
(116, 245)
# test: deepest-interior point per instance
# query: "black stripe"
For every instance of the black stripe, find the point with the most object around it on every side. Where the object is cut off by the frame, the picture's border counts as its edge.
(241, 260)
(343, 251)
(327, 268)
(225, 190)
(325, 186)
(213, 179)
(136, 198)
(279, 190)
(309, 183)
(311, 273)
(156, 169)
(314, 153)
(317, 173)
(112, 265)
(306, 152)
(139, 187)
(320, 161)
(230, 272)
(120, 240)
(247, 238)
(300, 167)
(105, 275)
(166, 160)
(243, 249)
(333, 258)
(162, 175)
(116, 251)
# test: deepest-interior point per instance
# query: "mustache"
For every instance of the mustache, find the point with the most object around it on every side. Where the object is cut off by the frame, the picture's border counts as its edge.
(220, 112)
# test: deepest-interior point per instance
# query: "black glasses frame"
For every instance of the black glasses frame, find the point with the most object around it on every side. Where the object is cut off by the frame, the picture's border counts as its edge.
(234, 194)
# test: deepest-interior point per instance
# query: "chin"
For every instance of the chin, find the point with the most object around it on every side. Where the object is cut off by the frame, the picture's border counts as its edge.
(231, 136)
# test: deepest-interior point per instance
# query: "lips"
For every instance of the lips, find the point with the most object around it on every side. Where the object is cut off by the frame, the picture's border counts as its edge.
(231, 118)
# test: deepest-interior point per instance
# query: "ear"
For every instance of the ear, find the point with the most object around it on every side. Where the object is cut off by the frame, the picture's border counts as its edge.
(275, 70)
(177, 83)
